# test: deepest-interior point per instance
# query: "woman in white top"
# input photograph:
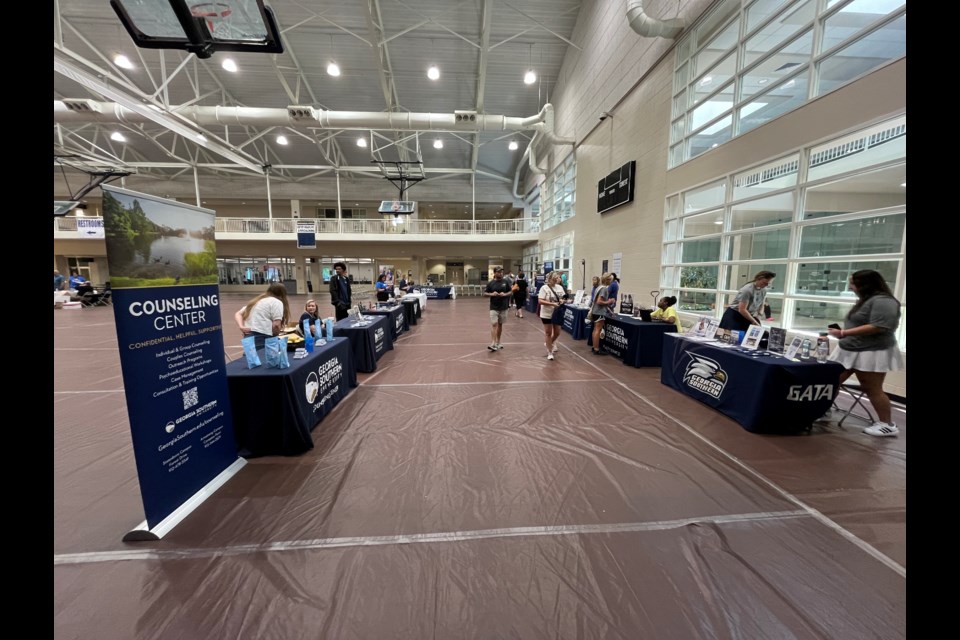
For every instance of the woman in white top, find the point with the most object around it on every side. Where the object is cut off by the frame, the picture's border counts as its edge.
(551, 296)
(265, 315)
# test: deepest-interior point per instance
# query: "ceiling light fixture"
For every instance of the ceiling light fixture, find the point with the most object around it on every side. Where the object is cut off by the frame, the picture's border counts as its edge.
(282, 140)
(361, 142)
(513, 146)
(229, 65)
(433, 72)
(903, 184)
(438, 144)
(122, 61)
(530, 76)
(116, 135)
(201, 137)
(333, 69)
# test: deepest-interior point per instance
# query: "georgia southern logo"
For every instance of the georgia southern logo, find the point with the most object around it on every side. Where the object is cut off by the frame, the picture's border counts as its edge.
(705, 375)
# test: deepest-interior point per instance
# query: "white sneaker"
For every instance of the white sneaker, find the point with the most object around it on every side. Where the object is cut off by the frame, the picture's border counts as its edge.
(882, 430)
(549, 356)
(555, 348)
(499, 346)
(492, 347)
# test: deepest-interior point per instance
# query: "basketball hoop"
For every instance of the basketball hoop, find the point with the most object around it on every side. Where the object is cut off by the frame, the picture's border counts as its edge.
(213, 11)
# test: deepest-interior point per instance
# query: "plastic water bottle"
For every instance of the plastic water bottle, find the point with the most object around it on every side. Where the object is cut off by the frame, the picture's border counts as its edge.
(823, 347)
(329, 324)
(307, 336)
(805, 350)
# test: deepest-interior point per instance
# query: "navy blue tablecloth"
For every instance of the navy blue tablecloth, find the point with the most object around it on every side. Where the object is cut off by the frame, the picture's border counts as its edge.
(573, 321)
(411, 311)
(436, 293)
(637, 343)
(533, 303)
(369, 342)
(764, 393)
(274, 410)
(397, 319)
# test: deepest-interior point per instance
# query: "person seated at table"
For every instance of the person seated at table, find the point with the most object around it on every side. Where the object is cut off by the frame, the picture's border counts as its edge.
(59, 281)
(85, 290)
(265, 315)
(748, 304)
(312, 314)
(383, 290)
(666, 313)
(76, 279)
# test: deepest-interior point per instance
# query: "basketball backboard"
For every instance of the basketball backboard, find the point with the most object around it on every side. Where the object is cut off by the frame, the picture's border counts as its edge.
(199, 26)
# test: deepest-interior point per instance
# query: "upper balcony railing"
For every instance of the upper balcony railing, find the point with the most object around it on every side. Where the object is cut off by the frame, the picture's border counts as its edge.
(387, 226)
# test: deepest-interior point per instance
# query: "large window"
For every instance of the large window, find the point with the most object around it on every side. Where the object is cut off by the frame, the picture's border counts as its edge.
(751, 61)
(560, 251)
(558, 194)
(813, 217)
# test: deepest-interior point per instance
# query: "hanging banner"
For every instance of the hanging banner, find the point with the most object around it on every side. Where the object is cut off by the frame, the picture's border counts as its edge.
(90, 227)
(166, 302)
(306, 234)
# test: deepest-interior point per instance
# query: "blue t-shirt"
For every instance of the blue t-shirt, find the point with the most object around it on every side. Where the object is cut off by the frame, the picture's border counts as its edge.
(613, 290)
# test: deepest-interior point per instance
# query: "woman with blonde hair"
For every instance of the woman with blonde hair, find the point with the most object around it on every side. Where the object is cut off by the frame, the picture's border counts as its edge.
(265, 315)
(311, 314)
(551, 296)
(601, 309)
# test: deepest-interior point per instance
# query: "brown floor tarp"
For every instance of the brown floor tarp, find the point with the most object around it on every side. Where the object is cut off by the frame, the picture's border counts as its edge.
(462, 493)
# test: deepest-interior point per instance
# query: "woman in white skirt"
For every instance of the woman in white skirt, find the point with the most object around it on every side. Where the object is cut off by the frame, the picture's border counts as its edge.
(868, 346)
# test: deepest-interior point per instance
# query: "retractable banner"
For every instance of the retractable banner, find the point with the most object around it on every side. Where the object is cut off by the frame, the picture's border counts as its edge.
(166, 301)
(306, 234)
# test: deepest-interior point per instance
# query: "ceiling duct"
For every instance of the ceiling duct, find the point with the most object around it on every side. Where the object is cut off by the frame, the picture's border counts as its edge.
(301, 112)
(301, 116)
(83, 106)
(644, 25)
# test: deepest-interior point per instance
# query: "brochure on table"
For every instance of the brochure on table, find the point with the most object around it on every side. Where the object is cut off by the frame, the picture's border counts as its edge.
(777, 340)
(794, 347)
(752, 339)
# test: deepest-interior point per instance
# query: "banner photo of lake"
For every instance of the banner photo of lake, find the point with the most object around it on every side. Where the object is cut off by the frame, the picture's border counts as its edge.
(154, 242)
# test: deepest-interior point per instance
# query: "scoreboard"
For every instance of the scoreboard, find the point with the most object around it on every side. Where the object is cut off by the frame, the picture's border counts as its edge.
(617, 188)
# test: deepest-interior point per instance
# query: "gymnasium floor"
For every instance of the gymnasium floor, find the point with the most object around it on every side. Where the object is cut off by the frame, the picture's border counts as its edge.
(460, 493)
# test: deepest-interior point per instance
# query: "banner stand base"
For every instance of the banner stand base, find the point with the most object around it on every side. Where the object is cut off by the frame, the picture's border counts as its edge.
(142, 532)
